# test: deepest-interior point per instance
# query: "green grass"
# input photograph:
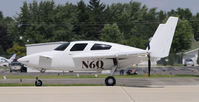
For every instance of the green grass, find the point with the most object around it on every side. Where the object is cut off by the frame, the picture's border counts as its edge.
(187, 75)
(177, 65)
(14, 84)
(4, 68)
(18, 84)
(167, 66)
(91, 76)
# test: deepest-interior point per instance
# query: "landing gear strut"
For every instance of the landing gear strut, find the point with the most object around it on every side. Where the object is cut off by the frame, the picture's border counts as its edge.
(38, 82)
(110, 80)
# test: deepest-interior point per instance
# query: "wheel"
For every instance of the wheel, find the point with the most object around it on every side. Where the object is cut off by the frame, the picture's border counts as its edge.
(43, 70)
(110, 81)
(23, 69)
(38, 83)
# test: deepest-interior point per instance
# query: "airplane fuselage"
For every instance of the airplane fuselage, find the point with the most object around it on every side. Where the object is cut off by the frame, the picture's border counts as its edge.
(65, 59)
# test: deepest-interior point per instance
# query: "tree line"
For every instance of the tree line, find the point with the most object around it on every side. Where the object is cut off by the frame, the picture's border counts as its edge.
(125, 23)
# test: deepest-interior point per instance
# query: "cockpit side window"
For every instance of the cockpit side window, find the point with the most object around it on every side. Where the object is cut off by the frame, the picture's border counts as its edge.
(101, 47)
(79, 47)
(62, 47)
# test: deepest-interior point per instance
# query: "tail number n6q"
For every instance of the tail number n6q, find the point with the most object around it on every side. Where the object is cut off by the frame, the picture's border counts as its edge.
(93, 64)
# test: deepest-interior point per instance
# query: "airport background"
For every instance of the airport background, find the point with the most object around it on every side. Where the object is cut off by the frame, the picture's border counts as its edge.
(125, 23)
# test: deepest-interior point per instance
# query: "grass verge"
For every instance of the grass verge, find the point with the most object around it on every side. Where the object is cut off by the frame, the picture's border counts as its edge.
(22, 85)
(4, 68)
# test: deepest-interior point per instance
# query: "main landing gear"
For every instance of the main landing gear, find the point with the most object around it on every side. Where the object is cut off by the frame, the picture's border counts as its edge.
(43, 70)
(110, 80)
(38, 82)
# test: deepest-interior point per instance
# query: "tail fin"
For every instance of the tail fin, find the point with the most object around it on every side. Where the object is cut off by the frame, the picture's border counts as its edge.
(12, 58)
(161, 41)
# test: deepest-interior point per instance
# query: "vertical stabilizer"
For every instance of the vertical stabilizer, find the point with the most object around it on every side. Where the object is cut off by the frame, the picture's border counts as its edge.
(161, 41)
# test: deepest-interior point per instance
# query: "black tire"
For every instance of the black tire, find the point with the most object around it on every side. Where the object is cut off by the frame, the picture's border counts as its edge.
(110, 81)
(38, 83)
(42, 71)
(23, 69)
(128, 72)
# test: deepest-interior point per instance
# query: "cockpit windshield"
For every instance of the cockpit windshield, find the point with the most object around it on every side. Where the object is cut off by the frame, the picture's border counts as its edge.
(62, 47)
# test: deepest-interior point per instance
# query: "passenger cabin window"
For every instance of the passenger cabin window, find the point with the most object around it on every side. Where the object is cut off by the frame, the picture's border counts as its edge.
(78, 47)
(62, 47)
(101, 47)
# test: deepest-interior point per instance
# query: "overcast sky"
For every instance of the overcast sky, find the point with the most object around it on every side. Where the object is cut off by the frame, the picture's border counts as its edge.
(12, 7)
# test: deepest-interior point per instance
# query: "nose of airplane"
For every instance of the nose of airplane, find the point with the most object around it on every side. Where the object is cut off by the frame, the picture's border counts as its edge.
(24, 60)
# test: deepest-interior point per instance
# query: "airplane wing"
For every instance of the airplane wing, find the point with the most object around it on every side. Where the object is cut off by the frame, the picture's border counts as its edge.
(124, 58)
(110, 55)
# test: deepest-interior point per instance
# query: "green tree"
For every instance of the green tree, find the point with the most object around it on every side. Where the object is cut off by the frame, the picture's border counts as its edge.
(135, 41)
(5, 38)
(65, 19)
(97, 10)
(19, 50)
(195, 26)
(96, 19)
(82, 26)
(162, 15)
(111, 33)
(44, 22)
(184, 13)
(1, 15)
(182, 38)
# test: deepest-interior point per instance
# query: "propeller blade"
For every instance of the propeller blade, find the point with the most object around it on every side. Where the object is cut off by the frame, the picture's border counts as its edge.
(148, 45)
(149, 58)
(149, 66)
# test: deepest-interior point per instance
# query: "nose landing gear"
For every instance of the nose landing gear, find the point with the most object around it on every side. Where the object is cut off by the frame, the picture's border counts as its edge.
(38, 82)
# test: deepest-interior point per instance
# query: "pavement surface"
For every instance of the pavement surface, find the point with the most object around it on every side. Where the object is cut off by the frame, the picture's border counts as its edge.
(136, 82)
(100, 94)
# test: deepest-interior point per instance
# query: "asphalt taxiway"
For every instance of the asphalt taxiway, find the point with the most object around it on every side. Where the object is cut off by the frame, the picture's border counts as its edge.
(100, 94)
(136, 82)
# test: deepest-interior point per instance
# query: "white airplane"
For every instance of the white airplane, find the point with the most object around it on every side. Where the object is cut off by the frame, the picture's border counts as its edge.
(98, 56)
(5, 62)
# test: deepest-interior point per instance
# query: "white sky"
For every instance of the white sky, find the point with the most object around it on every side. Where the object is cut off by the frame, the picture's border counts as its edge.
(12, 7)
